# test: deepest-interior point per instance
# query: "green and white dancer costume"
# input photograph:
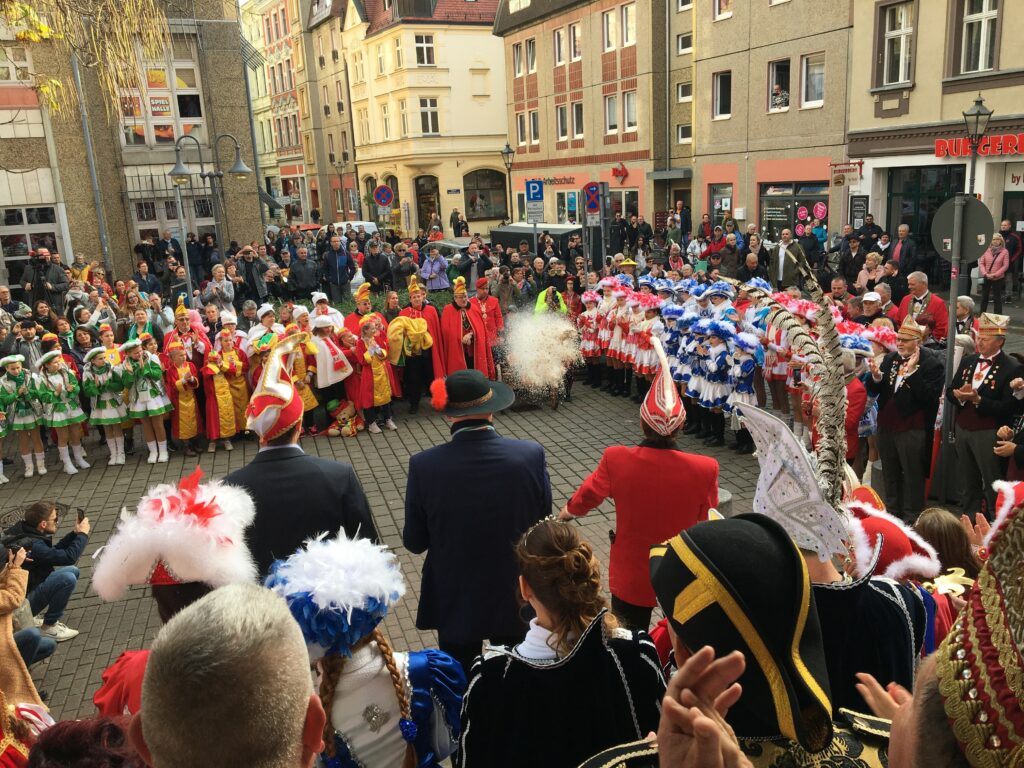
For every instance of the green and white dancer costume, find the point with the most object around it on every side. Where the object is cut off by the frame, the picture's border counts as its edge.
(144, 380)
(58, 391)
(105, 389)
(19, 399)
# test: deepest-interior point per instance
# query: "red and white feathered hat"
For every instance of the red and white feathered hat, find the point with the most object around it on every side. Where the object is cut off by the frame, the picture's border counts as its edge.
(662, 409)
(178, 535)
(275, 406)
(904, 553)
(881, 334)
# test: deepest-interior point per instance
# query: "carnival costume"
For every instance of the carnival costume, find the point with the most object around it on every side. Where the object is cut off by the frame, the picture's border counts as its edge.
(58, 392)
(182, 381)
(144, 379)
(19, 397)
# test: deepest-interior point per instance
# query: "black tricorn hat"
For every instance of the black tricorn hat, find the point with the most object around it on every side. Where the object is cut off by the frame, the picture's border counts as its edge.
(741, 584)
(469, 392)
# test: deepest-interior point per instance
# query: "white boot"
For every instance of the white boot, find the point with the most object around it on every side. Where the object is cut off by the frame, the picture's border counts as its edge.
(65, 457)
(29, 469)
(162, 451)
(112, 447)
(3, 477)
(41, 463)
(79, 454)
(119, 442)
(153, 456)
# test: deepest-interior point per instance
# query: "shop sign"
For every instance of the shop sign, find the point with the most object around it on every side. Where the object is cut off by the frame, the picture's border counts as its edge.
(999, 144)
(620, 172)
(1014, 177)
(559, 181)
(844, 174)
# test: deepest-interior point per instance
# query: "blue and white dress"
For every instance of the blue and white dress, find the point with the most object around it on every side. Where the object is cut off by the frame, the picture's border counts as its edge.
(715, 391)
(741, 379)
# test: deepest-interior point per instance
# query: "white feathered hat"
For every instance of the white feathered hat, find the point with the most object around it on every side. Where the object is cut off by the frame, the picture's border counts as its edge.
(188, 533)
(338, 590)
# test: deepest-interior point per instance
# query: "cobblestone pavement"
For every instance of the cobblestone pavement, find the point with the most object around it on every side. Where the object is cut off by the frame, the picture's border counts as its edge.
(573, 437)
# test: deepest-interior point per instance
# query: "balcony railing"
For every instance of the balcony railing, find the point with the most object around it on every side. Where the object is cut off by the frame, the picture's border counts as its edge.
(321, 61)
(327, 109)
(334, 55)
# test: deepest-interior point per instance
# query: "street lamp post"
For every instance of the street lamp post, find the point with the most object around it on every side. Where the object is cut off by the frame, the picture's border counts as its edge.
(181, 174)
(508, 157)
(343, 203)
(976, 120)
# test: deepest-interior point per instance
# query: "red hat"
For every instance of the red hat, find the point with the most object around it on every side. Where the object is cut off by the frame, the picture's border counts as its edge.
(904, 553)
(275, 406)
(662, 409)
(483, 282)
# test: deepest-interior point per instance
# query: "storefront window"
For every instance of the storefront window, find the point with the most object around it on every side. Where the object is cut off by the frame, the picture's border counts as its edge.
(23, 230)
(719, 201)
(566, 204)
(914, 197)
(484, 193)
(792, 206)
(625, 201)
(172, 107)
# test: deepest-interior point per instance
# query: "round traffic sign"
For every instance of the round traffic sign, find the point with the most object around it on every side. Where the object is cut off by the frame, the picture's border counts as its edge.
(977, 229)
(383, 195)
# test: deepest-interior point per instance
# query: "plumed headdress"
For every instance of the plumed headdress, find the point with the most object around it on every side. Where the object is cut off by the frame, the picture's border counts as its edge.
(275, 406)
(662, 409)
(190, 533)
(881, 334)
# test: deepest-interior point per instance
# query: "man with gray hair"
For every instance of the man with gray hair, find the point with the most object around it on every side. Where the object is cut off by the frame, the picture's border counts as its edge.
(966, 322)
(228, 684)
(888, 309)
(924, 306)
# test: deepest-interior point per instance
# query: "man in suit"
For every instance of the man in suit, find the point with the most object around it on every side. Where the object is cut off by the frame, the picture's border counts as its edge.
(467, 503)
(297, 496)
(167, 247)
(908, 384)
(924, 306)
(983, 401)
(647, 513)
(782, 265)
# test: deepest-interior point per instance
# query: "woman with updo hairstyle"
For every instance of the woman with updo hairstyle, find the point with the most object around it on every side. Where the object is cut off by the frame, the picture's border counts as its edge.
(577, 684)
(943, 530)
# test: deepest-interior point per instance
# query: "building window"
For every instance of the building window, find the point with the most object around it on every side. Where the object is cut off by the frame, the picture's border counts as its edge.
(403, 118)
(915, 193)
(288, 74)
(684, 92)
(295, 130)
(722, 8)
(484, 193)
(897, 52)
(979, 35)
(575, 52)
(359, 72)
(398, 53)
(812, 72)
(562, 122)
(520, 206)
(517, 5)
(793, 206)
(778, 85)
(330, 147)
(339, 95)
(517, 59)
(531, 55)
(14, 66)
(625, 201)
(172, 106)
(684, 134)
(684, 43)
(429, 124)
(611, 114)
(380, 59)
(629, 111)
(566, 207)
(628, 25)
(535, 127)
(577, 119)
(721, 95)
(364, 126)
(277, 28)
(558, 46)
(720, 199)
(280, 133)
(425, 50)
(608, 31)
(23, 230)
(385, 121)
(685, 5)
(521, 128)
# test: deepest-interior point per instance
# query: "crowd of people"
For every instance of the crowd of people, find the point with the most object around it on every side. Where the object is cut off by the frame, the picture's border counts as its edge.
(832, 626)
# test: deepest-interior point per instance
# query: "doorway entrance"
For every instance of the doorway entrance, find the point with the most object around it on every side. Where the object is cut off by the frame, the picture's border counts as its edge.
(428, 196)
(1013, 207)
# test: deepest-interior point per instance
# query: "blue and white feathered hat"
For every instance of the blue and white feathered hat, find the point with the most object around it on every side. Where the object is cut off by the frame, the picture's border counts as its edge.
(672, 311)
(759, 282)
(624, 279)
(860, 346)
(686, 285)
(748, 342)
(699, 291)
(338, 590)
(646, 280)
(663, 285)
(702, 326)
(689, 318)
(720, 288)
(722, 329)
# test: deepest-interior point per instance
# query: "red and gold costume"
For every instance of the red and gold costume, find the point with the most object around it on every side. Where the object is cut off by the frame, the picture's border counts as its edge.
(220, 405)
(456, 322)
(302, 366)
(182, 382)
(489, 311)
(428, 312)
(377, 382)
(235, 364)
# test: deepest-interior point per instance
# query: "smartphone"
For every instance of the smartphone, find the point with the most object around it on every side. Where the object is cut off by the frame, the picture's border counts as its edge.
(81, 514)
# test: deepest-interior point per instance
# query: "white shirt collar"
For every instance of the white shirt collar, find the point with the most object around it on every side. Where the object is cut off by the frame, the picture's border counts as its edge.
(535, 644)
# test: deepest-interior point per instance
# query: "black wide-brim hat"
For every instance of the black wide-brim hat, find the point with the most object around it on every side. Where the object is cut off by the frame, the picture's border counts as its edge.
(741, 584)
(469, 392)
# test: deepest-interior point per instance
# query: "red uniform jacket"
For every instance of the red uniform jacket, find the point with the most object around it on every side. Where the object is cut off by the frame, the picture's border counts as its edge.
(936, 307)
(121, 692)
(451, 342)
(490, 312)
(856, 402)
(430, 314)
(646, 512)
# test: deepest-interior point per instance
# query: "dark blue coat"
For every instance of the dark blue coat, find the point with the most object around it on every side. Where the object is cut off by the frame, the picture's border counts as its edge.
(466, 505)
(339, 267)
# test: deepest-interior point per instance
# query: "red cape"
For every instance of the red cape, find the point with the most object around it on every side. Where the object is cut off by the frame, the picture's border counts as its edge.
(121, 692)
(451, 335)
(429, 313)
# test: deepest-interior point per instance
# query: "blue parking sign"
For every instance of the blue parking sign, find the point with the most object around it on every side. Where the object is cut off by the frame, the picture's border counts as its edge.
(534, 191)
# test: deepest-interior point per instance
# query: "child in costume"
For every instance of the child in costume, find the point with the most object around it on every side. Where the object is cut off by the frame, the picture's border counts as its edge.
(378, 378)
(58, 391)
(741, 380)
(384, 709)
(588, 322)
(701, 426)
(715, 392)
(619, 317)
(220, 406)
(112, 353)
(101, 381)
(147, 397)
(182, 381)
(19, 397)
(645, 360)
(236, 366)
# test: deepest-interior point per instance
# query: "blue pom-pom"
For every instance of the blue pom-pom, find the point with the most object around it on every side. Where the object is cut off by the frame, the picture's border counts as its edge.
(408, 728)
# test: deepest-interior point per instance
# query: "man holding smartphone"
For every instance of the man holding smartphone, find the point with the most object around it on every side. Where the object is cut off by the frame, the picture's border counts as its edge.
(52, 574)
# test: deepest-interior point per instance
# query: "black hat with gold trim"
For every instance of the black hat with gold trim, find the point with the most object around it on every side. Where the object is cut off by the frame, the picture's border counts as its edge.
(705, 584)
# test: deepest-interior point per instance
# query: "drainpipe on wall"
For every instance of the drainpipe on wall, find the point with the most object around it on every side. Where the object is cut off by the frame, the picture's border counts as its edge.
(90, 159)
(668, 104)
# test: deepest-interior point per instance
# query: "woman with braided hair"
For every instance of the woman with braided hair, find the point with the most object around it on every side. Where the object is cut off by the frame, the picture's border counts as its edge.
(385, 709)
(528, 704)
